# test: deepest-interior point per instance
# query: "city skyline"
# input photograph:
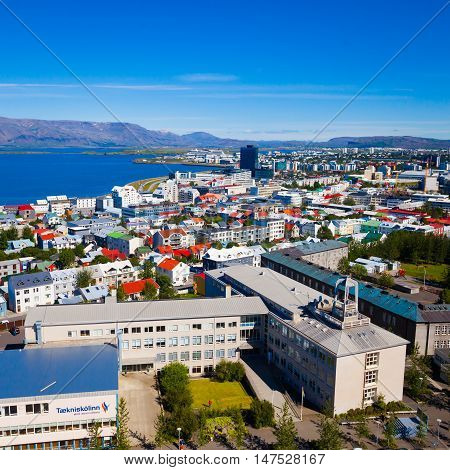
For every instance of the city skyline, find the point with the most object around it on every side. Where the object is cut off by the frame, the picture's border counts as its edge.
(235, 71)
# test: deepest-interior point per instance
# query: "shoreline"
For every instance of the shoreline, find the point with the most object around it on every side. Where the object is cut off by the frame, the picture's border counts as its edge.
(157, 161)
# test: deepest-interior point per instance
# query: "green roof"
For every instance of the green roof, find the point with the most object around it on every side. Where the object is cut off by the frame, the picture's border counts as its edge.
(392, 303)
(371, 237)
(372, 223)
(123, 236)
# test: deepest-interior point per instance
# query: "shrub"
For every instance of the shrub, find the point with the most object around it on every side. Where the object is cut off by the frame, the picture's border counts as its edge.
(227, 371)
(261, 414)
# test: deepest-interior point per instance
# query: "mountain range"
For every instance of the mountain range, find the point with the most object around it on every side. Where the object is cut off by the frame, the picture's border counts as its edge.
(34, 133)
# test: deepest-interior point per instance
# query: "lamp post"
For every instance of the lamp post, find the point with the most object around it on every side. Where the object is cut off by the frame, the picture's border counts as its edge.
(439, 421)
(179, 438)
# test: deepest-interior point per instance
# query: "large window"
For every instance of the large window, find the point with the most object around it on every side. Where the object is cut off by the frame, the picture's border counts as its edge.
(196, 355)
(196, 340)
(370, 377)
(161, 342)
(9, 410)
(136, 344)
(148, 343)
(372, 359)
(370, 395)
(209, 339)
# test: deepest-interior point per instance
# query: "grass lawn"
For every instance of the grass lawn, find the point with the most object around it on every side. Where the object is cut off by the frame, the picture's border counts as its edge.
(435, 272)
(222, 394)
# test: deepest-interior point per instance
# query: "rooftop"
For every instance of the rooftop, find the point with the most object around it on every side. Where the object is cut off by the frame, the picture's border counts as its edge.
(67, 370)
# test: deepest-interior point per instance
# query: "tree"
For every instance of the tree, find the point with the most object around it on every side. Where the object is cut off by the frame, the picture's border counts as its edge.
(330, 434)
(95, 436)
(162, 433)
(27, 232)
(324, 233)
(173, 382)
(421, 433)
(228, 371)
(285, 431)
(148, 270)
(166, 290)
(349, 201)
(445, 296)
(12, 233)
(231, 244)
(66, 258)
(261, 413)
(100, 259)
(3, 240)
(362, 431)
(358, 271)
(149, 292)
(216, 245)
(79, 251)
(343, 266)
(386, 280)
(239, 430)
(122, 436)
(83, 278)
(389, 433)
(121, 295)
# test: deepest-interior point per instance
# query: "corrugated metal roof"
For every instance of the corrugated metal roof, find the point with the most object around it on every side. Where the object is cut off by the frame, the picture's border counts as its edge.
(30, 372)
(111, 311)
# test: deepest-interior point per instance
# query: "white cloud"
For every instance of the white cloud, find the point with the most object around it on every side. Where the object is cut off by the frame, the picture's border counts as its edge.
(207, 78)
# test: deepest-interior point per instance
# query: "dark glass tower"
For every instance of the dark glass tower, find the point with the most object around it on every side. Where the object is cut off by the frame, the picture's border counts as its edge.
(249, 158)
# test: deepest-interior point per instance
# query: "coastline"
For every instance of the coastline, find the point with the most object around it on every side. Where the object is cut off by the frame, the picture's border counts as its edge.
(156, 161)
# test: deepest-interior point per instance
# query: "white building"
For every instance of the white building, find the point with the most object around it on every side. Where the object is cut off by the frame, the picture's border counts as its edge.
(176, 271)
(28, 290)
(125, 196)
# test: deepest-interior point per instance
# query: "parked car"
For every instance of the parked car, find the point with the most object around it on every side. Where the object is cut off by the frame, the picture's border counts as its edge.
(14, 330)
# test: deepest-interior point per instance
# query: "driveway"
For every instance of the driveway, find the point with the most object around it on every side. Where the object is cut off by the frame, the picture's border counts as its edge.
(138, 389)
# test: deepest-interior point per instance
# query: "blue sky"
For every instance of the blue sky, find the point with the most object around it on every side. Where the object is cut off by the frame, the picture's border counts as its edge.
(245, 69)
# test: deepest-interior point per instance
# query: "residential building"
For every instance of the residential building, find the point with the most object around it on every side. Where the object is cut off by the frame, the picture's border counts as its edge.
(29, 290)
(175, 238)
(112, 274)
(123, 242)
(125, 196)
(215, 259)
(3, 306)
(134, 289)
(10, 267)
(176, 271)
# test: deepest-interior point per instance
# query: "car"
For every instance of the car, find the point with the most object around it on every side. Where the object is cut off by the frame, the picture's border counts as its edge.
(14, 330)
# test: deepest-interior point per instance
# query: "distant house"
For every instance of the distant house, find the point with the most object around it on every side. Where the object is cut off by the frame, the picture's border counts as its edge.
(94, 293)
(176, 271)
(14, 246)
(2, 306)
(51, 219)
(30, 290)
(134, 289)
(123, 242)
(175, 238)
(26, 212)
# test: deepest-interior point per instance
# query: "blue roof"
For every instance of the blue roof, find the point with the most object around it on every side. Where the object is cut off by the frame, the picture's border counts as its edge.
(392, 303)
(81, 369)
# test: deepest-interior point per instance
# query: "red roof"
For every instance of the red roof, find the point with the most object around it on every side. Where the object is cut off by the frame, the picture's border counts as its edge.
(168, 264)
(25, 207)
(113, 255)
(137, 287)
(182, 252)
(47, 236)
(202, 275)
(164, 250)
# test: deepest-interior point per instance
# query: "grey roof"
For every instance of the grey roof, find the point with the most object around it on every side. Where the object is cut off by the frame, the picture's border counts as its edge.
(23, 281)
(112, 311)
(309, 248)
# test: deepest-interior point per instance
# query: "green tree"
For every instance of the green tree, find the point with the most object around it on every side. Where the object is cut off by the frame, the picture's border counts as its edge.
(324, 233)
(362, 431)
(66, 258)
(100, 259)
(386, 280)
(173, 382)
(27, 232)
(121, 295)
(445, 296)
(421, 433)
(285, 431)
(231, 244)
(261, 414)
(358, 271)
(162, 431)
(330, 434)
(217, 245)
(148, 270)
(95, 436)
(228, 371)
(83, 278)
(149, 292)
(79, 251)
(122, 436)
(344, 266)
(389, 433)
(349, 201)
(134, 260)
(166, 290)
(12, 233)
(3, 240)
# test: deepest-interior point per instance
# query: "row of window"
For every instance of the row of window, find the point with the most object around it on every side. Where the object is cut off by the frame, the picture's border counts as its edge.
(148, 343)
(442, 344)
(52, 427)
(441, 330)
(196, 355)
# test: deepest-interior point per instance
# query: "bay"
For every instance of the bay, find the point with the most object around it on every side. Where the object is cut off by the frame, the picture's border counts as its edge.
(25, 177)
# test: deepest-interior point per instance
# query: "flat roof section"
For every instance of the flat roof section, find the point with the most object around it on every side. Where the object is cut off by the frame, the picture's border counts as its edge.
(58, 371)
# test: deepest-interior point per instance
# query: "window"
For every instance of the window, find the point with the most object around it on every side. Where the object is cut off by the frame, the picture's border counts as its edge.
(232, 338)
(184, 341)
(136, 344)
(444, 329)
(161, 357)
(126, 344)
(220, 338)
(220, 353)
(185, 327)
(220, 325)
(196, 340)
(197, 370)
(161, 342)
(372, 359)
(97, 332)
(173, 356)
(85, 333)
(72, 334)
(370, 377)
(232, 352)
(112, 332)
(209, 339)
(160, 328)
(184, 356)
(136, 330)
(232, 324)
(208, 369)
(196, 355)
(10, 410)
(437, 330)
(209, 354)
(148, 329)
(196, 326)
(173, 341)
(173, 328)
(148, 343)
(370, 395)
(125, 331)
